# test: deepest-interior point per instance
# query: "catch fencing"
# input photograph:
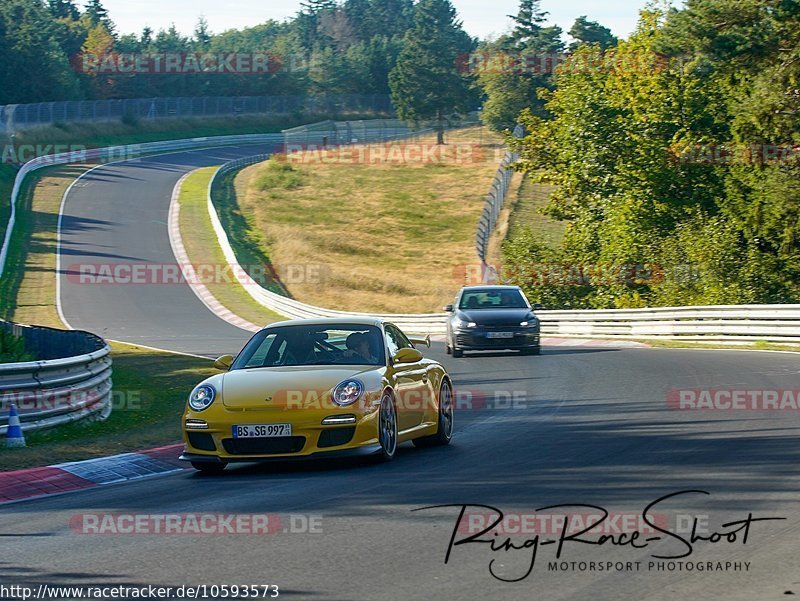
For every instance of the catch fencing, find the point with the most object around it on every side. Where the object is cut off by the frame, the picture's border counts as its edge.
(14, 117)
(495, 200)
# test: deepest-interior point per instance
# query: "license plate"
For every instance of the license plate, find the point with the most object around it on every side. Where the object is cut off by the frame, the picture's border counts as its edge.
(262, 431)
(500, 334)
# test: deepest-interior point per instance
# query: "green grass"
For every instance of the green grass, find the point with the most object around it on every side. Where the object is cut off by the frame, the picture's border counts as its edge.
(201, 245)
(7, 175)
(526, 211)
(27, 288)
(150, 391)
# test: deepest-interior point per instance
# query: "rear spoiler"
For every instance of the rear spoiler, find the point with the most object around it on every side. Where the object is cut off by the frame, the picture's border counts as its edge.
(426, 341)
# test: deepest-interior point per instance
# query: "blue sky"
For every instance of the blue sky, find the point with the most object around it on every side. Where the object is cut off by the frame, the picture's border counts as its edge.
(481, 17)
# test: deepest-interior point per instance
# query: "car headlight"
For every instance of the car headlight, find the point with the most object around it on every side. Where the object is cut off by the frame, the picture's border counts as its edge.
(202, 397)
(531, 323)
(465, 324)
(347, 392)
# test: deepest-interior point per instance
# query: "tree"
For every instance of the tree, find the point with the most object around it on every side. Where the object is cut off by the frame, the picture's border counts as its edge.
(63, 9)
(518, 66)
(99, 43)
(34, 67)
(529, 33)
(146, 38)
(426, 83)
(202, 34)
(97, 14)
(590, 32)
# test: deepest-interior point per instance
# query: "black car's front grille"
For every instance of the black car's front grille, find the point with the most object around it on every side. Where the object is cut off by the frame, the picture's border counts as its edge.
(201, 440)
(264, 446)
(336, 436)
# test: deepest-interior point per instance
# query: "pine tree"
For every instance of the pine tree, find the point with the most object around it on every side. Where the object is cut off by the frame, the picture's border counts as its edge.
(97, 13)
(425, 83)
(202, 35)
(63, 9)
(591, 32)
(314, 7)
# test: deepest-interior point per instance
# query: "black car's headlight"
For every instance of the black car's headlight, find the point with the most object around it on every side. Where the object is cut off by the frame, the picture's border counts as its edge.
(460, 323)
(347, 392)
(530, 323)
(202, 397)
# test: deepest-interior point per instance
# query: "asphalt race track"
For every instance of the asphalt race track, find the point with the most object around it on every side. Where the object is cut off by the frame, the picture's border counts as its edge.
(573, 426)
(117, 214)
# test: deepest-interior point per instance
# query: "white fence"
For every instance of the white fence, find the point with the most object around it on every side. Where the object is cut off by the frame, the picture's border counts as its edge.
(770, 323)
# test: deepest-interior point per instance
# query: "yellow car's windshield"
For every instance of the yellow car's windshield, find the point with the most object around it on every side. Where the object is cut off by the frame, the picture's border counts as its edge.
(340, 344)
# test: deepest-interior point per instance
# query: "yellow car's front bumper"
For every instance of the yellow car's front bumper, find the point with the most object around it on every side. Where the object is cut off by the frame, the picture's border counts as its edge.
(208, 435)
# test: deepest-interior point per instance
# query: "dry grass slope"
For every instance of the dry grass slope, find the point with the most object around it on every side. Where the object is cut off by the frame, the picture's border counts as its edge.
(373, 236)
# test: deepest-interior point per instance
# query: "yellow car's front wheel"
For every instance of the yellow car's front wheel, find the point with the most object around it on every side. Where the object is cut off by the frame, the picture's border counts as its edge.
(387, 428)
(444, 432)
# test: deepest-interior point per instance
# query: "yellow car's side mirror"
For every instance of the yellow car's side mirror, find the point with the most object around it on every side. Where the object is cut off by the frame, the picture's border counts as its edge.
(224, 363)
(407, 355)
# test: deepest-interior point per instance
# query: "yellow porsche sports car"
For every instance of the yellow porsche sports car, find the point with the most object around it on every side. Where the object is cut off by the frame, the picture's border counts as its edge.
(318, 387)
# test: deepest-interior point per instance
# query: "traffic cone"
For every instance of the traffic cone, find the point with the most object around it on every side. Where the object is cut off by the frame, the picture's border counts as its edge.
(14, 437)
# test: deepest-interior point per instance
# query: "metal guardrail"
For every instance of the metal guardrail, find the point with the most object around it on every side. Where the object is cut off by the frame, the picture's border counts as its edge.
(495, 200)
(769, 323)
(71, 381)
(20, 116)
(113, 153)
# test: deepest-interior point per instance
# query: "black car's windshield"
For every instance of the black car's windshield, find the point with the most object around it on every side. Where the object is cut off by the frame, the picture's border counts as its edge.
(340, 344)
(492, 299)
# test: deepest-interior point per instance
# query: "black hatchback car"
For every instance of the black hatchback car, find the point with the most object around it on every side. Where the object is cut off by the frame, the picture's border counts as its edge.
(487, 318)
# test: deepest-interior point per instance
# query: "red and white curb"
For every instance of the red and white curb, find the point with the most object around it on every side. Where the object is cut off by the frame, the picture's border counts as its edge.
(40, 482)
(182, 257)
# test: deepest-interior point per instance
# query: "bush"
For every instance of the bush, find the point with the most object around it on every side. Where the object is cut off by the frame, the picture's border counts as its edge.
(12, 348)
(130, 120)
(277, 174)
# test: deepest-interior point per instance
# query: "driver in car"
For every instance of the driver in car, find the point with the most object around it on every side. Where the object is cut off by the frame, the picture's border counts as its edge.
(358, 346)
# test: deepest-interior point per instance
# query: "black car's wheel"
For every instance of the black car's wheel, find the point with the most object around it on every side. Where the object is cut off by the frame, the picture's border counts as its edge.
(205, 467)
(444, 433)
(387, 428)
(457, 352)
